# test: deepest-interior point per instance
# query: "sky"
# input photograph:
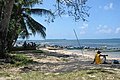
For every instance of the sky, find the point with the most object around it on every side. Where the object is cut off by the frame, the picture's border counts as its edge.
(103, 22)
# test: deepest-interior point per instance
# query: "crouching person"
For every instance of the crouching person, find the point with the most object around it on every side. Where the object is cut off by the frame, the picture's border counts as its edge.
(98, 60)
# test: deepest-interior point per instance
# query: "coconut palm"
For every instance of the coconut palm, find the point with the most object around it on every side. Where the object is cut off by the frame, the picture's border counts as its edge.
(22, 22)
(24, 11)
(21, 17)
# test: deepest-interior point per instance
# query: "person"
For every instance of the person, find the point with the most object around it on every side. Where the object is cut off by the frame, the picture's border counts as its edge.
(25, 44)
(97, 59)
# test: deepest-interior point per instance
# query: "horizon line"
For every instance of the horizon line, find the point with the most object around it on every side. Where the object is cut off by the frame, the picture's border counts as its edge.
(67, 39)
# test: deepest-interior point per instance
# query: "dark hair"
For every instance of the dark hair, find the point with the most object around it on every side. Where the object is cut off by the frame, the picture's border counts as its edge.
(98, 52)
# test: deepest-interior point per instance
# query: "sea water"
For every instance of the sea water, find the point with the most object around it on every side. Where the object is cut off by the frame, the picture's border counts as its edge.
(95, 43)
(110, 43)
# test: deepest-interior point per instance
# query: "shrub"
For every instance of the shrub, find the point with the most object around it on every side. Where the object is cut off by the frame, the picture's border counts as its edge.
(20, 59)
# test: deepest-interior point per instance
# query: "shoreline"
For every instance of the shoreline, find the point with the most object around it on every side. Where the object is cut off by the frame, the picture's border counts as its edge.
(76, 61)
(87, 54)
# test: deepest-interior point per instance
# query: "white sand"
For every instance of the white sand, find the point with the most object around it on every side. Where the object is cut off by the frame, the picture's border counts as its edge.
(80, 61)
(85, 53)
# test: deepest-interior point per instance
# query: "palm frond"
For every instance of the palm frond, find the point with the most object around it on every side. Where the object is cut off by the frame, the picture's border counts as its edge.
(30, 26)
(38, 11)
(23, 24)
(24, 34)
(39, 28)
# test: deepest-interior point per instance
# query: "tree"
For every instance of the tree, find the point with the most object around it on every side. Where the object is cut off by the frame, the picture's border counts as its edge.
(76, 8)
(21, 21)
(21, 16)
(4, 23)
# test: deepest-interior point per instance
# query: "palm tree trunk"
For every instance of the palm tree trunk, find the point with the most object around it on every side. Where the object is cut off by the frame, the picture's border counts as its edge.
(12, 40)
(4, 24)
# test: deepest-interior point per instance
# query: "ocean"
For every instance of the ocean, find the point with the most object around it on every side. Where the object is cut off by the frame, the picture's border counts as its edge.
(109, 43)
(93, 43)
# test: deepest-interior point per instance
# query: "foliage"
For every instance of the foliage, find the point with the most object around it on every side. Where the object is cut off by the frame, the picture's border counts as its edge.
(76, 8)
(22, 15)
(21, 21)
(20, 60)
(22, 48)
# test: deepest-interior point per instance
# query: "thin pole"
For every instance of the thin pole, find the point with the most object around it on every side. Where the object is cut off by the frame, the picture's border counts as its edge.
(77, 39)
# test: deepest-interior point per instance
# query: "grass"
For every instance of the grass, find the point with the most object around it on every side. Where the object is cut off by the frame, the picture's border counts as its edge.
(95, 74)
(21, 59)
(37, 51)
(86, 74)
(91, 74)
(15, 60)
(4, 74)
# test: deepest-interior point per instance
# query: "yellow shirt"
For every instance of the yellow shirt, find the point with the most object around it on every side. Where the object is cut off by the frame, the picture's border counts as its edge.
(97, 59)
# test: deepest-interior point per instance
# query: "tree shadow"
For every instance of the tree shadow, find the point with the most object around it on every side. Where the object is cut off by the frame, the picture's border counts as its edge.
(68, 67)
(60, 67)
(73, 65)
(46, 53)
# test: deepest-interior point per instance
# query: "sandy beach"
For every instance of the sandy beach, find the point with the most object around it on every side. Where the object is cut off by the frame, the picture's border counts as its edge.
(84, 53)
(60, 63)
(75, 60)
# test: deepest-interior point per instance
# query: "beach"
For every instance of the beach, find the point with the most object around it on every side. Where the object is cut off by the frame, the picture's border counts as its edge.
(60, 64)
(55, 62)
(77, 59)
(85, 53)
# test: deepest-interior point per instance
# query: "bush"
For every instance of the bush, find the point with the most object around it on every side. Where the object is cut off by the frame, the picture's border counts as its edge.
(20, 59)
(37, 51)
(22, 48)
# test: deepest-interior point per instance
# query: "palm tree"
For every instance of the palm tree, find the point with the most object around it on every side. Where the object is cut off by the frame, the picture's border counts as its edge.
(21, 15)
(22, 20)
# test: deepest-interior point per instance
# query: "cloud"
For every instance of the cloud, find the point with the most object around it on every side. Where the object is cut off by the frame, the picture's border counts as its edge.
(108, 6)
(83, 28)
(117, 30)
(104, 29)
